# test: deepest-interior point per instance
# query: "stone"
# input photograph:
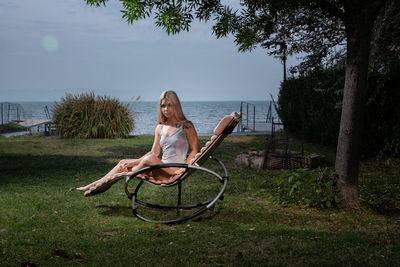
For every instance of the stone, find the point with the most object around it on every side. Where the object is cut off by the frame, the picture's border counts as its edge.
(256, 162)
(242, 159)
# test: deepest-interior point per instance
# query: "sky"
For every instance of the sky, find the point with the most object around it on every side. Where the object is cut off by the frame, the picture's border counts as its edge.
(52, 47)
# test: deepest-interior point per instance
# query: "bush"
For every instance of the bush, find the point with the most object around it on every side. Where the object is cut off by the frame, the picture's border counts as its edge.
(391, 148)
(87, 116)
(310, 188)
(310, 108)
(310, 105)
(382, 118)
(11, 127)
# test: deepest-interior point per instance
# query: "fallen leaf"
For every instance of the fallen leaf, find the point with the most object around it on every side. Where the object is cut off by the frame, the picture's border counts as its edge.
(375, 243)
(239, 255)
(28, 264)
(78, 257)
(199, 218)
(60, 253)
(159, 235)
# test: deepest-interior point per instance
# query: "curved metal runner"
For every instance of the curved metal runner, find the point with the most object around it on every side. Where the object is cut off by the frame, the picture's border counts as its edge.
(206, 205)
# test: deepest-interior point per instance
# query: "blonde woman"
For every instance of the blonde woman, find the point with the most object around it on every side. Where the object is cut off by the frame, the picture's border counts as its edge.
(174, 136)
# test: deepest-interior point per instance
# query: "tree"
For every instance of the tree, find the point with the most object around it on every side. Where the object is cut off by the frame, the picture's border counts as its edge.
(319, 28)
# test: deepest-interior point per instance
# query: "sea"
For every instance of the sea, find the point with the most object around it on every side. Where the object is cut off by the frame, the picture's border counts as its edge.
(205, 115)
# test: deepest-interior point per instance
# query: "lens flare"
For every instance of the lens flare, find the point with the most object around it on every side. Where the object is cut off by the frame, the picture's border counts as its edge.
(50, 43)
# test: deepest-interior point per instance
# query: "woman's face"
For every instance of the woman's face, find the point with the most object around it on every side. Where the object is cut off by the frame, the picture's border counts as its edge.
(167, 109)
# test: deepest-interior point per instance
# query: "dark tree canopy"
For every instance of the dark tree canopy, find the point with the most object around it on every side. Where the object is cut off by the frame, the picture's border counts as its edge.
(282, 27)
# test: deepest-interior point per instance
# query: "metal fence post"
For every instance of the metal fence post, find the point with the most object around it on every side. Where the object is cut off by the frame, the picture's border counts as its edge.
(247, 116)
(240, 122)
(254, 118)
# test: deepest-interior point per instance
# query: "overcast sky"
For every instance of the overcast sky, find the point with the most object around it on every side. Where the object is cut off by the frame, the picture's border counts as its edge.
(51, 47)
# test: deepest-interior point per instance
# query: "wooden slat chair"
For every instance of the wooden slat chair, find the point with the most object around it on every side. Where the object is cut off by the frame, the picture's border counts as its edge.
(223, 129)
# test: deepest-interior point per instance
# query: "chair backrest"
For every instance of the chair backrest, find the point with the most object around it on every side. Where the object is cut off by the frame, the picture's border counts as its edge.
(223, 129)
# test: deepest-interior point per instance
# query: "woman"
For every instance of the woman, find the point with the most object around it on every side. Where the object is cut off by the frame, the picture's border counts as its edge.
(174, 135)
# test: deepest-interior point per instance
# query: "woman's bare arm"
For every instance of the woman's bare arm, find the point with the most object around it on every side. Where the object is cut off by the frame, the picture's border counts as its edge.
(192, 138)
(156, 148)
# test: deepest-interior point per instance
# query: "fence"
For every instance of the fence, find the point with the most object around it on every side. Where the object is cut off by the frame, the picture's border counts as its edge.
(245, 108)
(10, 112)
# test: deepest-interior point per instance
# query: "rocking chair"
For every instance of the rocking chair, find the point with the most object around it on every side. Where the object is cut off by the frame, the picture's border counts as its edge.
(223, 129)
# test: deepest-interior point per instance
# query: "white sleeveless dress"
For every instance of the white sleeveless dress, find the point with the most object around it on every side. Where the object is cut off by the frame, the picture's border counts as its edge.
(174, 147)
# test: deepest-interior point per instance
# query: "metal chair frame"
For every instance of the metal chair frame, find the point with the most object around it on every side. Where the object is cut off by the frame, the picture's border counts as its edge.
(206, 205)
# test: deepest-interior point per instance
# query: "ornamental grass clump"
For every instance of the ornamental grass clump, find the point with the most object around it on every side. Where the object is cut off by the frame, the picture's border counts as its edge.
(87, 116)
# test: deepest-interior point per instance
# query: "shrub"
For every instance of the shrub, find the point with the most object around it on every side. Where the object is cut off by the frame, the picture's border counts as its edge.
(11, 127)
(87, 116)
(310, 108)
(310, 105)
(391, 148)
(310, 188)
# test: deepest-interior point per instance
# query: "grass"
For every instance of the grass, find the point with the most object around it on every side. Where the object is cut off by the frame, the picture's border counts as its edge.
(44, 221)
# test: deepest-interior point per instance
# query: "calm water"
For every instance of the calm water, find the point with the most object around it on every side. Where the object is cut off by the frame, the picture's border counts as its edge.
(205, 115)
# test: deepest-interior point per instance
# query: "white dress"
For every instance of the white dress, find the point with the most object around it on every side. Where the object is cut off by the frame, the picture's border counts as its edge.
(174, 147)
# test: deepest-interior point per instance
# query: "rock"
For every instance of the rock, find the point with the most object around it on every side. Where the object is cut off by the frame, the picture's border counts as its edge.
(256, 162)
(252, 160)
(242, 159)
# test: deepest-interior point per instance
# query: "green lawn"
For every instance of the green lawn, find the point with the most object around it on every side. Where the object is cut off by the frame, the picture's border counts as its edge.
(44, 221)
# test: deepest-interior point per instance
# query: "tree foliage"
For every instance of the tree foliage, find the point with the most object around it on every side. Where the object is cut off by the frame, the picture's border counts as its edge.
(282, 27)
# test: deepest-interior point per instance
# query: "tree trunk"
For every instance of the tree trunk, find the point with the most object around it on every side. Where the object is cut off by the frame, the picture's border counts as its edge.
(358, 20)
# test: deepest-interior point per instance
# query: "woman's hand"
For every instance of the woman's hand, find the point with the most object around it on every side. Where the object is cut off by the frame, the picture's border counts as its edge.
(179, 170)
(127, 163)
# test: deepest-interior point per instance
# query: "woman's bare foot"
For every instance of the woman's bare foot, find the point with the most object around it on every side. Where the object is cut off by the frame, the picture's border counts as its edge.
(89, 191)
(94, 184)
(83, 188)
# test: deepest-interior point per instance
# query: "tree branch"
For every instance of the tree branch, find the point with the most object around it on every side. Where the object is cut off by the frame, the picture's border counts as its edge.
(328, 7)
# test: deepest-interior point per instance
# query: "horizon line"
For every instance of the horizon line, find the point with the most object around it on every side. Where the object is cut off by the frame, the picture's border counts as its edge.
(134, 101)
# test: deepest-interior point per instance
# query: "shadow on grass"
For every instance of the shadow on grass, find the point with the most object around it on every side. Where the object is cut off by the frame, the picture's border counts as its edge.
(123, 152)
(18, 168)
(126, 211)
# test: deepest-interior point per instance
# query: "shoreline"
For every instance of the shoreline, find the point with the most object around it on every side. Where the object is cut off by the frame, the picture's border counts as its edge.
(27, 133)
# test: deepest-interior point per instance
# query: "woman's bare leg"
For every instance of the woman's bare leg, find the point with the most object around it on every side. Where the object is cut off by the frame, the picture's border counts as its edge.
(119, 168)
(145, 161)
(134, 165)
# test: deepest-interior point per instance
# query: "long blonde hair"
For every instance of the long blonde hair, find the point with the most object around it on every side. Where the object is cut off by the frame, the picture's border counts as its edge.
(176, 104)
